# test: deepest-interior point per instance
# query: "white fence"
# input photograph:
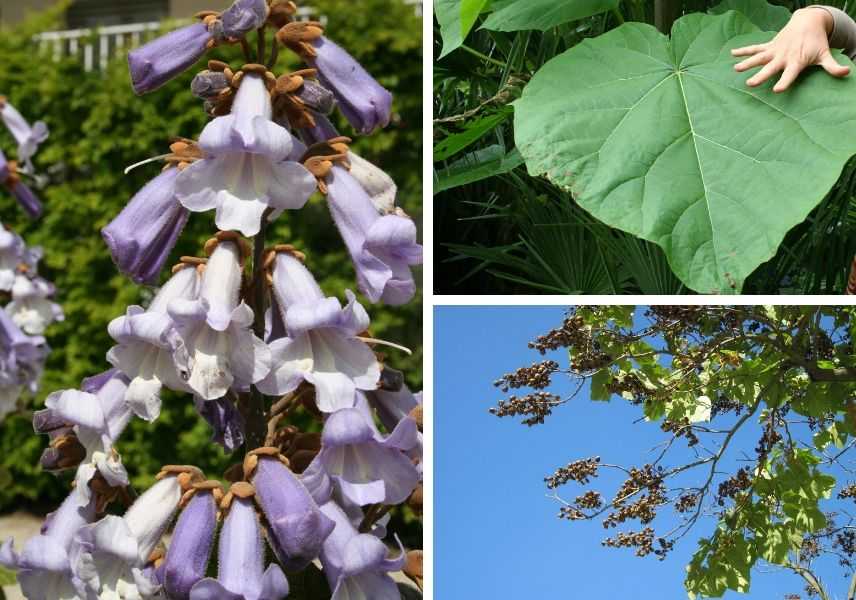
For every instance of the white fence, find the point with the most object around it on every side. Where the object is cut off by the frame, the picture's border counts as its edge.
(95, 47)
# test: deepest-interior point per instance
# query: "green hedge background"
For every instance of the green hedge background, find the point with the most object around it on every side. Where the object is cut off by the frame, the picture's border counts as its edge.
(98, 127)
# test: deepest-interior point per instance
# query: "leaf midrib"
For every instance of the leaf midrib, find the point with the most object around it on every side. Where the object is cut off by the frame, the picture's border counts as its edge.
(713, 234)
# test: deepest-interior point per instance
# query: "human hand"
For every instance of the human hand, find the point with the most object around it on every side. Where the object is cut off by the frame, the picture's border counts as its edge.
(803, 42)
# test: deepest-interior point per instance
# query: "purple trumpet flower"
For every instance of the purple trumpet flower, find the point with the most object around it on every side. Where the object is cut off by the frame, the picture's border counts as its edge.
(208, 84)
(241, 574)
(27, 199)
(190, 548)
(23, 194)
(324, 130)
(365, 103)
(216, 328)
(225, 420)
(392, 408)
(149, 345)
(164, 58)
(297, 527)
(243, 17)
(22, 359)
(109, 558)
(142, 236)
(368, 467)
(31, 307)
(356, 564)
(28, 137)
(382, 247)
(44, 569)
(97, 420)
(322, 346)
(247, 169)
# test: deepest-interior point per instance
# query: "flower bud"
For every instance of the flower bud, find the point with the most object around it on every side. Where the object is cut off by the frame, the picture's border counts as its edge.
(142, 236)
(166, 57)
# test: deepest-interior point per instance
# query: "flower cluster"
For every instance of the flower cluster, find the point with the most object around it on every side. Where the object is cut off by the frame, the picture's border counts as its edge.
(248, 333)
(29, 308)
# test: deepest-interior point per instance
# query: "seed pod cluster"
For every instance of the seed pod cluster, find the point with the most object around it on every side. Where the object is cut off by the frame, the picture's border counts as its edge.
(848, 491)
(571, 513)
(591, 500)
(643, 541)
(569, 334)
(536, 376)
(681, 428)
(740, 482)
(536, 407)
(580, 471)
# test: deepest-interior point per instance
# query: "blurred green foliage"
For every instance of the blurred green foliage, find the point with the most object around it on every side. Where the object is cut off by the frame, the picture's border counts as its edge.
(98, 127)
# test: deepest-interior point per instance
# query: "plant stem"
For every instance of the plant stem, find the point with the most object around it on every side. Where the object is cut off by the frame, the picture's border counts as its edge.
(618, 16)
(475, 52)
(274, 54)
(256, 417)
(260, 45)
(245, 47)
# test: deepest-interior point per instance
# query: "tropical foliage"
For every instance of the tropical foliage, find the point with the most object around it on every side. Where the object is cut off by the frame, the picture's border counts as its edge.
(649, 165)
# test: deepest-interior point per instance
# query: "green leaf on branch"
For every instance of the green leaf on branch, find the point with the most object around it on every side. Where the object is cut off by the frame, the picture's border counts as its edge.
(516, 15)
(765, 16)
(473, 132)
(663, 139)
(476, 166)
(599, 382)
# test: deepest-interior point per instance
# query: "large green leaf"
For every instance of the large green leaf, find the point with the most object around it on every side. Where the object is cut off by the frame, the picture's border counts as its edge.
(765, 16)
(456, 18)
(662, 138)
(515, 15)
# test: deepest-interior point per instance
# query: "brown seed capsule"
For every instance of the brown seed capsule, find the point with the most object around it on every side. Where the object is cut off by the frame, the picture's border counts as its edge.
(185, 497)
(254, 68)
(299, 35)
(415, 499)
(250, 462)
(413, 567)
(242, 489)
(416, 415)
(265, 451)
(217, 65)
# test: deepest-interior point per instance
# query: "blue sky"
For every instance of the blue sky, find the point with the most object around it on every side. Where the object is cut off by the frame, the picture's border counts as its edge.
(496, 533)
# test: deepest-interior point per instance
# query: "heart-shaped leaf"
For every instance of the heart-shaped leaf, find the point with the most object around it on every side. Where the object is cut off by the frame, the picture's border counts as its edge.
(661, 138)
(765, 16)
(515, 15)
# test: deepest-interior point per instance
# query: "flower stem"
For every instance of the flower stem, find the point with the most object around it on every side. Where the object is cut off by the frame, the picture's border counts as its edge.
(256, 418)
(260, 45)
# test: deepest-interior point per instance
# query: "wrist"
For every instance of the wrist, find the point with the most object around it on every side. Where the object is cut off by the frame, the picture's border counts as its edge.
(818, 15)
